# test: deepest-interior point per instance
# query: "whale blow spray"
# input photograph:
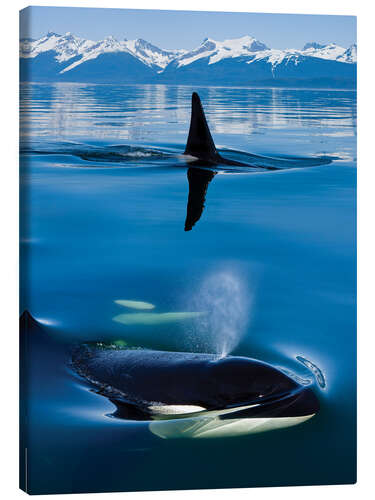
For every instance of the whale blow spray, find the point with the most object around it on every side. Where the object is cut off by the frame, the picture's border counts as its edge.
(228, 305)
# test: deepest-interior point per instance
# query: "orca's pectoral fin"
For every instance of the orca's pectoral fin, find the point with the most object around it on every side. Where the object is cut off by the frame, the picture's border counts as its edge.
(199, 180)
(200, 143)
(127, 411)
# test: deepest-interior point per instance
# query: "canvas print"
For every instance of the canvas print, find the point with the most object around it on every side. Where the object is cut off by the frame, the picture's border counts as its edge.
(188, 250)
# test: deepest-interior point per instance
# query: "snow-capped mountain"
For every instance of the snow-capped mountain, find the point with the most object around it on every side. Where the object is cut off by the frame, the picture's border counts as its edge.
(152, 55)
(69, 46)
(246, 61)
(350, 55)
(253, 50)
(66, 46)
(240, 61)
(331, 51)
(217, 51)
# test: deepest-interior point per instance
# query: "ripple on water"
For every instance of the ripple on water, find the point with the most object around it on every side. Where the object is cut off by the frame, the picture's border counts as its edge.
(317, 372)
(125, 154)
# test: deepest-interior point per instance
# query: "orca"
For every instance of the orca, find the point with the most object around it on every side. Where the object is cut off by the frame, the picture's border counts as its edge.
(203, 157)
(200, 144)
(205, 161)
(186, 394)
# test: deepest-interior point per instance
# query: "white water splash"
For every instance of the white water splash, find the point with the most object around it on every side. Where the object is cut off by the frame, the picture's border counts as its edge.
(47, 321)
(228, 304)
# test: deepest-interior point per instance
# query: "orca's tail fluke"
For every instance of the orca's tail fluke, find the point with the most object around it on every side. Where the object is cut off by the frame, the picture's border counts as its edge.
(200, 143)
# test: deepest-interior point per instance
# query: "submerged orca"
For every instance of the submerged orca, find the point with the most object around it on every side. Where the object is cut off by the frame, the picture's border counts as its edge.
(195, 394)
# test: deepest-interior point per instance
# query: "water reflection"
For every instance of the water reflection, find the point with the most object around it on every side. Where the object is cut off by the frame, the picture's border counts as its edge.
(199, 180)
(199, 173)
(138, 112)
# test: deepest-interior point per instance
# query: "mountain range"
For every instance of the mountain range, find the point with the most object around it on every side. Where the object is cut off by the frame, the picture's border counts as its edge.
(240, 61)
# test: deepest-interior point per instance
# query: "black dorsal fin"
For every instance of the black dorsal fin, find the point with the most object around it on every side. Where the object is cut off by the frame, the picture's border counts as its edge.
(200, 143)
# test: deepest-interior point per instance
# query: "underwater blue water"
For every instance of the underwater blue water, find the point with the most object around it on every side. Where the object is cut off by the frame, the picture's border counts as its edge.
(271, 259)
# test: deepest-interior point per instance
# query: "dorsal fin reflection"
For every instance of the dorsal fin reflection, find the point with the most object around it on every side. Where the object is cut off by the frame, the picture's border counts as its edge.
(199, 180)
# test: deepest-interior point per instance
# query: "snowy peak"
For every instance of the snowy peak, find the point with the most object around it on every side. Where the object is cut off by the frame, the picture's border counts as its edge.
(350, 55)
(150, 54)
(331, 51)
(218, 51)
(69, 46)
(66, 46)
(313, 45)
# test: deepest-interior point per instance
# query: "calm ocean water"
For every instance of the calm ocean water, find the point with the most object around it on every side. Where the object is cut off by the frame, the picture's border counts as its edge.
(272, 258)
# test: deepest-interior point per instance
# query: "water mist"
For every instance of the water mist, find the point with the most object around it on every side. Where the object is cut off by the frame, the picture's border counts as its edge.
(227, 303)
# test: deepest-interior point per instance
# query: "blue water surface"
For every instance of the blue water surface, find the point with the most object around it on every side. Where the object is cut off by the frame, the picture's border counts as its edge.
(272, 260)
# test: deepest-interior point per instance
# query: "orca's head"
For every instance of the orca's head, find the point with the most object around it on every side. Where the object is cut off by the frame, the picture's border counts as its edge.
(252, 397)
(248, 382)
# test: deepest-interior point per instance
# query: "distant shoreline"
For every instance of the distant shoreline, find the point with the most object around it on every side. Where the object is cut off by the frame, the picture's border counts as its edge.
(159, 84)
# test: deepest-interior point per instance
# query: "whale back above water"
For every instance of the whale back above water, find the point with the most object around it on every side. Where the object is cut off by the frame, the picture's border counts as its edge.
(178, 394)
(142, 382)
